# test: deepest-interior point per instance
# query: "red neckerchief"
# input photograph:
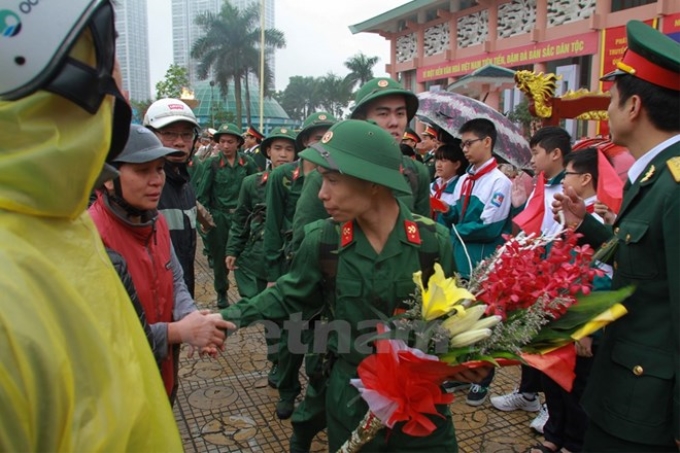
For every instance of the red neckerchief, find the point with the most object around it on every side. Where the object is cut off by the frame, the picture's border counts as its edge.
(440, 189)
(469, 183)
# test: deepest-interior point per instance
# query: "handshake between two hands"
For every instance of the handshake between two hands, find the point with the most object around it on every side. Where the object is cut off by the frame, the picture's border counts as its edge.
(204, 331)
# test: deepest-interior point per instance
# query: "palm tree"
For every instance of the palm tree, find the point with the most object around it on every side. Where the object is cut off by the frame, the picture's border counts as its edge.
(361, 69)
(228, 47)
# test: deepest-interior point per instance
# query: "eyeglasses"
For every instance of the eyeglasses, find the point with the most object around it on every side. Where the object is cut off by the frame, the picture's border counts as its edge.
(467, 143)
(171, 135)
(573, 173)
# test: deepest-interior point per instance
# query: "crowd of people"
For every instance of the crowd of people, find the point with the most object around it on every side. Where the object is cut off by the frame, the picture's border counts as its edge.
(324, 224)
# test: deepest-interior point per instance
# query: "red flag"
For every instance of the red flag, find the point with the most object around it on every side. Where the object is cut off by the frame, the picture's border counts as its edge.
(531, 219)
(609, 185)
(558, 365)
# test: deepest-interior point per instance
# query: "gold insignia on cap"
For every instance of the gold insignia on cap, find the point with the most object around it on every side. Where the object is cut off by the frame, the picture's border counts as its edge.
(649, 174)
(284, 130)
(383, 83)
(674, 167)
(327, 137)
(322, 117)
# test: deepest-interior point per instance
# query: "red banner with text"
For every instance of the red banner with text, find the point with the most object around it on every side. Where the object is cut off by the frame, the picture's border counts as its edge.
(556, 49)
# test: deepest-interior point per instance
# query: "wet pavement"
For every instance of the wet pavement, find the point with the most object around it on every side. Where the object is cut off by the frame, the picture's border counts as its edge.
(225, 404)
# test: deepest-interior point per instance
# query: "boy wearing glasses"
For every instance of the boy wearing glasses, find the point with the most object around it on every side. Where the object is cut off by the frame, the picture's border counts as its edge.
(175, 125)
(480, 215)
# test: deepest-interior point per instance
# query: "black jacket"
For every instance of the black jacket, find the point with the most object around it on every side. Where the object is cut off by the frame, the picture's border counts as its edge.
(178, 206)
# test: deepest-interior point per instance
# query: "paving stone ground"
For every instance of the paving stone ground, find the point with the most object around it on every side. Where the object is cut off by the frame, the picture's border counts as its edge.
(225, 404)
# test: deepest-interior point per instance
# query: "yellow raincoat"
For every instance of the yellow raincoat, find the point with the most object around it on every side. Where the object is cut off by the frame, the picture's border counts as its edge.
(76, 371)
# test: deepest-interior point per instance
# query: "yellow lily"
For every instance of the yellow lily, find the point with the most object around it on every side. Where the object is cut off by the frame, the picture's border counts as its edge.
(611, 314)
(442, 294)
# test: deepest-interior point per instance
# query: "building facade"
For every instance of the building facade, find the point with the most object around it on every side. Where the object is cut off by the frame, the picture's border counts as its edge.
(132, 47)
(436, 42)
(185, 32)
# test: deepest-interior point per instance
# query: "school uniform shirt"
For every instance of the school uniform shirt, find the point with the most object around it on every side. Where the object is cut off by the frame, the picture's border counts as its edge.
(449, 186)
(552, 186)
(485, 219)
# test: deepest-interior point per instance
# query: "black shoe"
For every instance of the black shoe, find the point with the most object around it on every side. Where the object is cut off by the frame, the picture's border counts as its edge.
(272, 377)
(452, 386)
(222, 302)
(284, 409)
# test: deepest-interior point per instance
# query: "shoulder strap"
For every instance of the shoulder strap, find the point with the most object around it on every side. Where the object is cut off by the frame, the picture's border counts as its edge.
(328, 255)
(412, 177)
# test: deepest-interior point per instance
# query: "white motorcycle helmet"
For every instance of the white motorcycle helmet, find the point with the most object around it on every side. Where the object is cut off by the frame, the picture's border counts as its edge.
(168, 111)
(37, 38)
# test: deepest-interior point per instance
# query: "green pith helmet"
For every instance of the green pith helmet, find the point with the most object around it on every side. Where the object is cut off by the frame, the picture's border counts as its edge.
(650, 56)
(279, 132)
(361, 149)
(383, 86)
(313, 121)
(229, 129)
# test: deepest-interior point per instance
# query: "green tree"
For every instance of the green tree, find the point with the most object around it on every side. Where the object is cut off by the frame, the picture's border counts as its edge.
(176, 78)
(301, 97)
(228, 48)
(360, 69)
(139, 109)
(336, 93)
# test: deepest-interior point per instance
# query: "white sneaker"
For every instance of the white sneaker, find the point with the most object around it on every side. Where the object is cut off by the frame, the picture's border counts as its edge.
(541, 419)
(515, 401)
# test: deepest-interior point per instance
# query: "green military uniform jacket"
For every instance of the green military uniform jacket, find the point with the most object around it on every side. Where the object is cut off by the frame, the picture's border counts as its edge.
(246, 235)
(310, 208)
(220, 184)
(365, 282)
(633, 391)
(283, 191)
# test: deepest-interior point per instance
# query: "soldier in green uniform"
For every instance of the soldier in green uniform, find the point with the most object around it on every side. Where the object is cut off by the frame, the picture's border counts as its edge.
(283, 192)
(245, 254)
(386, 102)
(633, 393)
(218, 192)
(377, 249)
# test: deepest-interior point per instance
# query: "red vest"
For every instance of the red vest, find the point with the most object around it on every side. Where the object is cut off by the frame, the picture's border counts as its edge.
(147, 251)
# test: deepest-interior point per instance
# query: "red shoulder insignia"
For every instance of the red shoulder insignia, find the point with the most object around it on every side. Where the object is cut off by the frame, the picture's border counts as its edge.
(296, 173)
(241, 162)
(412, 232)
(401, 169)
(265, 177)
(347, 234)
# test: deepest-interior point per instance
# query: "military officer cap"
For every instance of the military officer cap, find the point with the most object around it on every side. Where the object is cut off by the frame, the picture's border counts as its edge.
(431, 131)
(383, 86)
(360, 149)
(650, 56)
(313, 121)
(228, 129)
(279, 133)
(254, 132)
(410, 134)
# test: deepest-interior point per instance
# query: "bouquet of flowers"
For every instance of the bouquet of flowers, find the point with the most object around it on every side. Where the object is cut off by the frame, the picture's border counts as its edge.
(527, 303)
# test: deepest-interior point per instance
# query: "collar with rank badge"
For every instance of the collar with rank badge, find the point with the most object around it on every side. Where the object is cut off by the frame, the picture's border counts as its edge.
(347, 234)
(412, 232)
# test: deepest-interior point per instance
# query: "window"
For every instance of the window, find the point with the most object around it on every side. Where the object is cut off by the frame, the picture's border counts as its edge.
(618, 5)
